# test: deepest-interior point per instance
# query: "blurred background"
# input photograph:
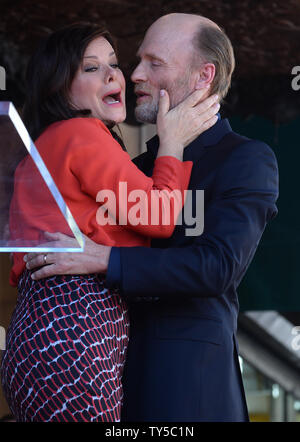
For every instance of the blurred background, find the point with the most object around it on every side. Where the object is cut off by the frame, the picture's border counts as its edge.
(263, 103)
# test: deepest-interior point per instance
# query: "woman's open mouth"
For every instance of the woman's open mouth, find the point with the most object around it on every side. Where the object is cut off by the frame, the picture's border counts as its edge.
(113, 98)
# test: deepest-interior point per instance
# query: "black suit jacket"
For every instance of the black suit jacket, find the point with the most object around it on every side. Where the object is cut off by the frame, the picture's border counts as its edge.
(182, 362)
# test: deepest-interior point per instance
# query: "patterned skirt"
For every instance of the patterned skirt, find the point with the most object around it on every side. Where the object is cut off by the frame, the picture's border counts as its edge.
(65, 351)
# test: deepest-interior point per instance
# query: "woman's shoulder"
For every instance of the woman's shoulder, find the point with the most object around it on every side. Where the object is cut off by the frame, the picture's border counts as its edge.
(75, 127)
(77, 136)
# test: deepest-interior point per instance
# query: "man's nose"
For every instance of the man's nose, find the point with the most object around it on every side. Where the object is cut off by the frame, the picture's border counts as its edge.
(138, 75)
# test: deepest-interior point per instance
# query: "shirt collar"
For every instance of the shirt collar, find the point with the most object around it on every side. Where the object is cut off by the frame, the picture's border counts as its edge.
(208, 138)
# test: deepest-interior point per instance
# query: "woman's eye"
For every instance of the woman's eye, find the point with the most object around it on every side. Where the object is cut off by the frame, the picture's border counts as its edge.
(90, 69)
(115, 66)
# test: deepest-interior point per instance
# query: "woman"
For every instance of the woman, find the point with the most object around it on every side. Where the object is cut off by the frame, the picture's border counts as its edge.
(67, 340)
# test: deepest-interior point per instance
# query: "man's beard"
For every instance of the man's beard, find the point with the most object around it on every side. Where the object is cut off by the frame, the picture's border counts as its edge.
(147, 112)
(178, 91)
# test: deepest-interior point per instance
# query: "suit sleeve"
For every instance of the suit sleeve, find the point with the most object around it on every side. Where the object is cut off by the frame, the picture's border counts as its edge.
(245, 192)
(106, 172)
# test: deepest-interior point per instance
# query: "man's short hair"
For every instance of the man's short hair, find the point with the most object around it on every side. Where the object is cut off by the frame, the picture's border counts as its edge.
(213, 46)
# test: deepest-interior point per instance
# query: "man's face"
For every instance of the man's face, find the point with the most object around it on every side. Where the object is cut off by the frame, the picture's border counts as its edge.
(165, 63)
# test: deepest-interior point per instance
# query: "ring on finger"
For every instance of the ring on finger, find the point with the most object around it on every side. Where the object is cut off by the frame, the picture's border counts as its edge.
(45, 259)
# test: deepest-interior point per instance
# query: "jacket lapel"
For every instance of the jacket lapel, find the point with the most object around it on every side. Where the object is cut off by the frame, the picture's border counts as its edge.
(195, 150)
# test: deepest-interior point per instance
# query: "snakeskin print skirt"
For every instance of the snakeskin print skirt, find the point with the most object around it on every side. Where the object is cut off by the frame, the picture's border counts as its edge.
(65, 351)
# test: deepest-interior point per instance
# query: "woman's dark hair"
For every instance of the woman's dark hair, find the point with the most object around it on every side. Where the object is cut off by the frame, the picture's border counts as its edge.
(51, 71)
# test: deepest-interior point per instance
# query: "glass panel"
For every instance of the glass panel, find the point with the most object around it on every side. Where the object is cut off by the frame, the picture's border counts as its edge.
(30, 202)
(258, 391)
(294, 409)
(267, 401)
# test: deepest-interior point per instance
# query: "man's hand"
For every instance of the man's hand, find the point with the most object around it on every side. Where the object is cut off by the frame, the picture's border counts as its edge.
(94, 258)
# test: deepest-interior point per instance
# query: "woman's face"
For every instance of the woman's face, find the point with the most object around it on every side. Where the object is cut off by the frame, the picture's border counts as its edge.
(99, 84)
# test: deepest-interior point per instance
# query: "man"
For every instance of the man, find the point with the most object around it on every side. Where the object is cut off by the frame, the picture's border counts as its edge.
(182, 362)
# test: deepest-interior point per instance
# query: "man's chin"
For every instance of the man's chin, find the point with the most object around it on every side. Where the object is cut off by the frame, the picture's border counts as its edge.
(145, 115)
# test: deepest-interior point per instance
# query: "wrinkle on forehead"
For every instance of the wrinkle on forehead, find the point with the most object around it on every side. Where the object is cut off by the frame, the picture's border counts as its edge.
(171, 36)
(164, 41)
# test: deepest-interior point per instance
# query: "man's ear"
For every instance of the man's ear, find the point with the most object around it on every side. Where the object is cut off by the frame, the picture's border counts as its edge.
(205, 75)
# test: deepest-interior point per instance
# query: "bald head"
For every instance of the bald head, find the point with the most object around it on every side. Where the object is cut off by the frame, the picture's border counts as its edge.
(185, 22)
(166, 29)
(188, 25)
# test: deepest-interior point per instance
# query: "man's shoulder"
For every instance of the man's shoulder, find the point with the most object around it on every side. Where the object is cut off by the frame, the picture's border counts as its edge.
(234, 157)
(237, 145)
(248, 163)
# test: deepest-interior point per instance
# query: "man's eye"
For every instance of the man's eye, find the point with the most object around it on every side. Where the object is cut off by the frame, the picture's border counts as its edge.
(155, 64)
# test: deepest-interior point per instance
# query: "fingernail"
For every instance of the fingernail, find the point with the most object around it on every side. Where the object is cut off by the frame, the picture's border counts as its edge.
(25, 258)
(32, 276)
(162, 92)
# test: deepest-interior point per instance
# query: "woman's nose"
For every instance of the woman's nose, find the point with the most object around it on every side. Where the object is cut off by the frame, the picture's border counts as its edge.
(110, 74)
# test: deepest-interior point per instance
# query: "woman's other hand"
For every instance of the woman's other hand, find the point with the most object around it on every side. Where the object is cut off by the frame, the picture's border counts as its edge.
(94, 258)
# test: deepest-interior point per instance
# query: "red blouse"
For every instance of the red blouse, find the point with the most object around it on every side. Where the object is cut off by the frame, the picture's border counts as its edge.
(83, 158)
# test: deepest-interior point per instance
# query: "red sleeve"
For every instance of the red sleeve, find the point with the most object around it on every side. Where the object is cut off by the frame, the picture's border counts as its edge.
(104, 170)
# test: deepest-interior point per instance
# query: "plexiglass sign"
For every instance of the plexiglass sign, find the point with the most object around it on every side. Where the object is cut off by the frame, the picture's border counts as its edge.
(30, 202)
